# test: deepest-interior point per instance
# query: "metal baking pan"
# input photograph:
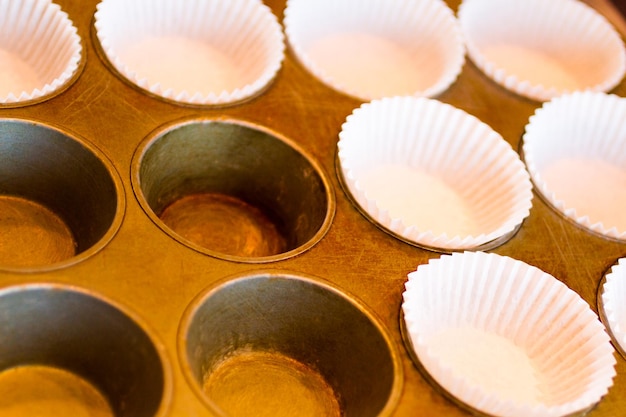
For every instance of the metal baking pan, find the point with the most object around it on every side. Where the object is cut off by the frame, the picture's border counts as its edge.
(142, 312)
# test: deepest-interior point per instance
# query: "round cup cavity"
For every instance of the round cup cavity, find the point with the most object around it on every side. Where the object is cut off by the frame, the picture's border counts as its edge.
(306, 327)
(60, 333)
(61, 199)
(232, 190)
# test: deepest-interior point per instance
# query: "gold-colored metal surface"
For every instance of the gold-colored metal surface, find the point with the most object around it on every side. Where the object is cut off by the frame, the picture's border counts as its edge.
(224, 224)
(40, 391)
(138, 265)
(258, 384)
(32, 235)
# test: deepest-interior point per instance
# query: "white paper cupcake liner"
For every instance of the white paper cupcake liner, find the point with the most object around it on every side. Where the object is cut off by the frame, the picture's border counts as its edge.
(613, 296)
(432, 174)
(371, 49)
(541, 49)
(505, 338)
(205, 52)
(575, 152)
(40, 50)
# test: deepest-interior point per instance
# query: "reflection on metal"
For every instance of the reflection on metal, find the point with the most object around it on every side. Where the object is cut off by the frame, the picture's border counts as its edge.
(35, 390)
(224, 224)
(32, 235)
(264, 384)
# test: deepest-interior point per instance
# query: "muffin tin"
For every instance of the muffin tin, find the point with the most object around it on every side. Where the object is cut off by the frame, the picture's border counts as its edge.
(138, 292)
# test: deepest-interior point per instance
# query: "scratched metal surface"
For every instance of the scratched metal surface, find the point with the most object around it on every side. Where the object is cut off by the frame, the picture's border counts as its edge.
(156, 276)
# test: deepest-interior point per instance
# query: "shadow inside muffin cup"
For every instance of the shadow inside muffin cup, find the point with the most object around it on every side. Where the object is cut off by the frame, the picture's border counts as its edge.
(67, 351)
(271, 343)
(232, 190)
(60, 198)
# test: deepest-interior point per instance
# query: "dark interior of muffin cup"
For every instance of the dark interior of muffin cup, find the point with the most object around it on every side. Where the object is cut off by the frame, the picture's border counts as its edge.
(85, 335)
(63, 174)
(242, 162)
(301, 319)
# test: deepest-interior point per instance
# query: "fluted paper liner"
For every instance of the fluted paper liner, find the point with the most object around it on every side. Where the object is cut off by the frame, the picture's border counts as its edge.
(40, 50)
(575, 152)
(536, 347)
(613, 296)
(541, 49)
(432, 174)
(371, 49)
(205, 52)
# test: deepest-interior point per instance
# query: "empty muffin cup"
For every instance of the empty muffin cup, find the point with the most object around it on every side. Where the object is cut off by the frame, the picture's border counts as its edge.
(204, 52)
(432, 175)
(500, 337)
(375, 48)
(40, 51)
(575, 153)
(541, 49)
(611, 295)
(232, 190)
(68, 351)
(61, 200)
(277, 344)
